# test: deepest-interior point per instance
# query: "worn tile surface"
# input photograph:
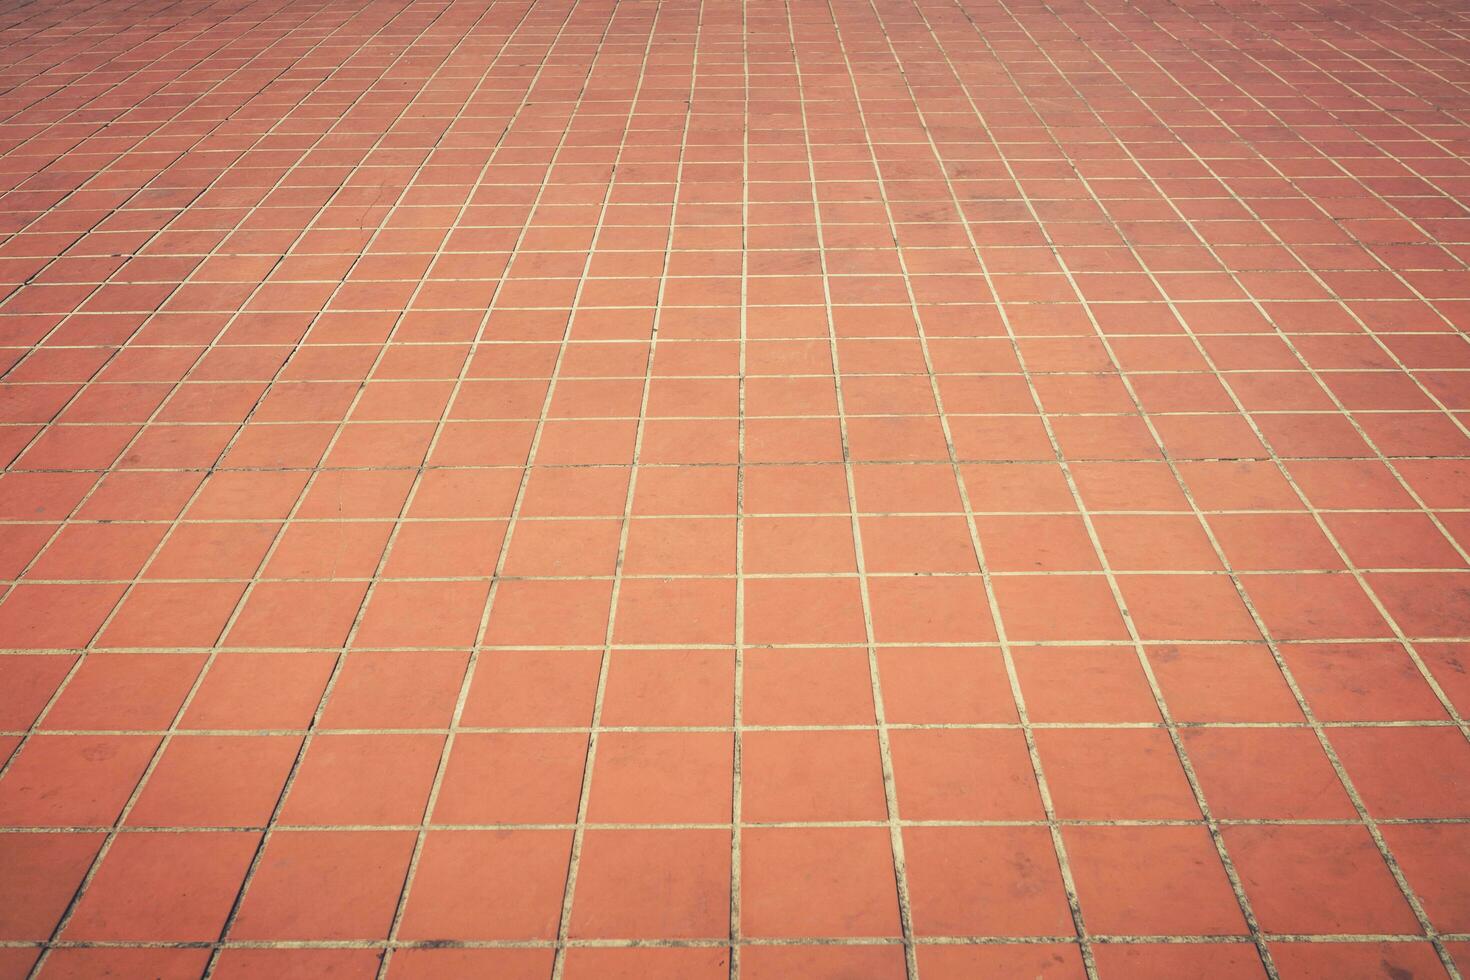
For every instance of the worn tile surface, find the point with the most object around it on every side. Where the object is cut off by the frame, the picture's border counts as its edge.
(687, 488)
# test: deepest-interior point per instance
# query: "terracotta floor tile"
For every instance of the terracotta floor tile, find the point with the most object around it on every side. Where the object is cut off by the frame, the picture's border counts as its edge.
(163, 963)
(818, 882)
(1433, 857)
(532, 688)
(1347, 959)
(1240, 683)
(1361, 682)
(878, 962)
(556, 613)
(811, 776)
(216, 781)
(124, 691)
(1115, 775)
(43, 872)
(1084, 684)
(803, 611)
(457, 886)
(1350, 887)
(259, 691)
(363, 779)
(1059, 607)
(907, 609)
(1194, 607)
(1407, 772)
(985, 881)
(1429, 604)
(964, 775)
(807, 687)
(172, 614)
(945, 684)
(1266, 774)
(703, 611)
(164, 887)
(426, 962)
(522, 777)
(42, 616)
(243, 962)
(330, 884)
(662, 777)
(1314, 607)
(680, 392)
(653, 884)
(72, 780)
(1179, 889)
(395, 689)
(1157, 961)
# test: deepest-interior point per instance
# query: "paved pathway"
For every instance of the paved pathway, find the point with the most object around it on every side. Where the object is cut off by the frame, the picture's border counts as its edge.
(660, 488)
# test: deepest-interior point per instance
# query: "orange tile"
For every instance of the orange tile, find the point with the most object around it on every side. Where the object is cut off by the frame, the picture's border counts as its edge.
(1351, 889)
(837, 881)
(457, 886)
(985, 881)
(329, 884)
(653, 884)
(1152, 881)
(164, 887)
(811, 776)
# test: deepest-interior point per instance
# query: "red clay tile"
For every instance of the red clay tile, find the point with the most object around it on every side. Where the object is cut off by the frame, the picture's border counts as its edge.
(460, 885)
(395, 689)
(1084, 684)
(662, 777)
(532, 688)
(964, 775)
(807, 687)
(1433, 858)
(426, 962)
(522, 777)
(1059, 607)
(653, 884)
(43, 872)
(703, 611)
(1115, 774)
(172, 614)
(1159, 961)
(239, 962)
(326, 884)
(1361, 682)
(945, 684)
(768, 962)
(1352, 959)
(628, 379)
(1266, 774)
(1407, 772)
(164, 887)
(127, 691)
(1152, 881)
(630, 963)
(160, 962)
(72, 780)
(216, 781)
(259, 690)
(363, 779)
(803, 611)
(811, 776)
(817, 882)
(1324, 879)
(985, 881)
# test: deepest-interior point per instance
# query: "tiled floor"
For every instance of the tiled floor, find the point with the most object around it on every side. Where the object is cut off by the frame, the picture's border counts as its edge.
(687, 488)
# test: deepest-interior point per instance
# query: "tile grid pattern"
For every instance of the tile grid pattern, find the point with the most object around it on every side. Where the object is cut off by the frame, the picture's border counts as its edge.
(898, 488)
